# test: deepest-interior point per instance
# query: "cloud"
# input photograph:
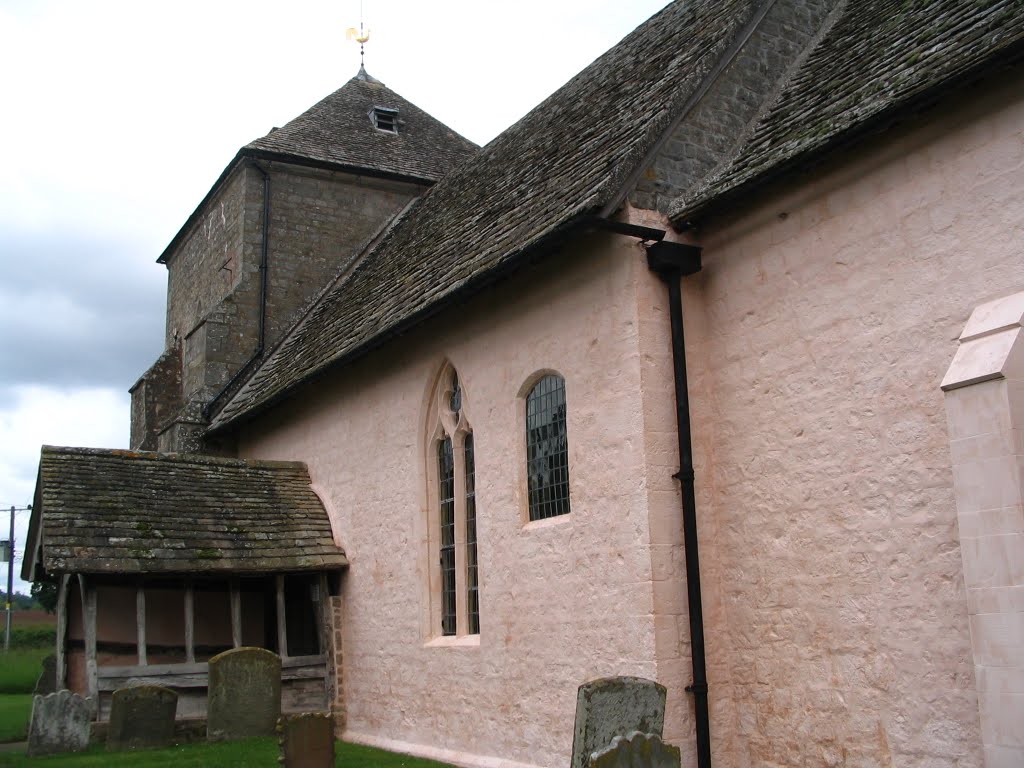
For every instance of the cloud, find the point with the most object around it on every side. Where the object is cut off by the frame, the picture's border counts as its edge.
(33, 415)
(77, 312)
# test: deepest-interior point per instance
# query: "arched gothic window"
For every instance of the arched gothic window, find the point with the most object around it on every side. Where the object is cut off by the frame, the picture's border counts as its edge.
(547, 449)
(453, 453)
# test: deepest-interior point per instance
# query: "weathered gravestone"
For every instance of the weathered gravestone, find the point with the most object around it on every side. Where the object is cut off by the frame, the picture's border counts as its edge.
(47, 682)
(307, 740)
(60, 723)
(142, 717)
(615, 706)
(244, 698)
(637, 750)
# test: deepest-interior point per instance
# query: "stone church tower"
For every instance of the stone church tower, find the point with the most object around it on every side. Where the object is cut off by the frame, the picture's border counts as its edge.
(293, 211)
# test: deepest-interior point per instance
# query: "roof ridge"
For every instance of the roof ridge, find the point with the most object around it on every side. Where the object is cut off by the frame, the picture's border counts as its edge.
(175, 458)
(548, 168)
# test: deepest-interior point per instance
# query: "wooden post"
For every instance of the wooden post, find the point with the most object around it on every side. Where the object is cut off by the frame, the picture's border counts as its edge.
(62, 631)
(89, 619)
(190, 623)
(282, 627)
(236, 614)
(140, 624)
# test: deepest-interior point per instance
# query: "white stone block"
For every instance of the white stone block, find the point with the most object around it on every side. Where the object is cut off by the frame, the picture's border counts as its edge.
(1002, 718)
(998, 639)
(1001, 314)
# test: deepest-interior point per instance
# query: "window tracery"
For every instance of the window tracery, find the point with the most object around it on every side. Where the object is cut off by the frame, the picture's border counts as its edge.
(455, 525)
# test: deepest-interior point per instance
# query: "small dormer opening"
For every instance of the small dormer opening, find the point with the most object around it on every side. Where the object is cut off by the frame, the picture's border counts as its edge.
(384, 119)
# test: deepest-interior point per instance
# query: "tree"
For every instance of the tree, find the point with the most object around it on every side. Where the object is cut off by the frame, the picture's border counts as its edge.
(45, 593)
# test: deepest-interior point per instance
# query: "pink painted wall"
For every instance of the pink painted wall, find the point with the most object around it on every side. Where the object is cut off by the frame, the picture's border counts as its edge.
(562, 601)
(817, 336)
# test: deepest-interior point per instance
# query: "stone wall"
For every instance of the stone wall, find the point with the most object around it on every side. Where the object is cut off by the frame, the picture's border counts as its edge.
(156, 398)
(718, 123)
(563, 600)
(320, 222)
(818, 334)
(207, 264)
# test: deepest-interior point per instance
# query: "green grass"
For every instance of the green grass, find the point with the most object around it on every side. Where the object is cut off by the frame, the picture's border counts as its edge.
(15, 709)
(19, 669)
(239, 754)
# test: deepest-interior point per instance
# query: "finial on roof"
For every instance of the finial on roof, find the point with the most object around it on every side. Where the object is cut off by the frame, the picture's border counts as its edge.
(360, 37)
(366, 77)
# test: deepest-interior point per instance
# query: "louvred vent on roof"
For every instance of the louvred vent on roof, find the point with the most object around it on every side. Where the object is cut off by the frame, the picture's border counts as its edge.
(385, 119)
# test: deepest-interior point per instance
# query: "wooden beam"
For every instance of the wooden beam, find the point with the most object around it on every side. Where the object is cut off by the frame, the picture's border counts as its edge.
(236, 614)
(140, 623)
(62, 631)
(190, 623)
(89, 619)
(282, 626)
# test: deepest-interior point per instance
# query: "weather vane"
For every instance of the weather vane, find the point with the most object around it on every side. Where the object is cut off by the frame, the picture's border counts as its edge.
(360, 37)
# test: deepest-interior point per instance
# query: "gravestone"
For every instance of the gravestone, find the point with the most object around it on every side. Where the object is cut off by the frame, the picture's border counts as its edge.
(60, 723)
(307, 740)
(47, 682)
(615, 706)
(637, 750)
(141, 717)
(244, 697)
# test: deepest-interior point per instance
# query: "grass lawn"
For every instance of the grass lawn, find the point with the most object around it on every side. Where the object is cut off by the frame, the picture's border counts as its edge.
(19, 669)
(240, 754)
(15, 709)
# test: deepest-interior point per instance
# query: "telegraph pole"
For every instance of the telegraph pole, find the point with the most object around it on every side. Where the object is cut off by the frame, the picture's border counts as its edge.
(10, 584)
(10, 575)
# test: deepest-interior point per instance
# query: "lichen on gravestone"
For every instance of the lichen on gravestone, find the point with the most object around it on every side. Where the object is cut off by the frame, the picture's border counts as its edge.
(60, 723)
(306, 740)
(244, 694)
(637, 750)
(612, 707)
(141, 717)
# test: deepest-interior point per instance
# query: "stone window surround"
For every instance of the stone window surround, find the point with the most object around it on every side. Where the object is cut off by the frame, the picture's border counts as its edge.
(524, 393)
(442, 422)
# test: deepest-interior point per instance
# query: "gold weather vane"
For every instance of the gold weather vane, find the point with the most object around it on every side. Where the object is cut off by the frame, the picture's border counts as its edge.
(360, 36)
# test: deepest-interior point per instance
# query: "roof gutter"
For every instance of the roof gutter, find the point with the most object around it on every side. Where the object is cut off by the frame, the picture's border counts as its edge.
(690, 216)
(581, 222)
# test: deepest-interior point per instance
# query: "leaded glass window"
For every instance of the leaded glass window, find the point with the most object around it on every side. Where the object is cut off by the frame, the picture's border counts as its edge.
(446, 486)
(455, 585)
(547, 449)
(472, 586)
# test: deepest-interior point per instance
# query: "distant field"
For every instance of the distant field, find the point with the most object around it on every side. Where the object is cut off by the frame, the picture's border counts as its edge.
(29, 619)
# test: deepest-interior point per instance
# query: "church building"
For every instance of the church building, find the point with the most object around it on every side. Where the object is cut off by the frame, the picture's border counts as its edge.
(709, 370)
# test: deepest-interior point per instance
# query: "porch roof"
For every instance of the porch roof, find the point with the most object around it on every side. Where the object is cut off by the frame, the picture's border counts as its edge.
(130, 512)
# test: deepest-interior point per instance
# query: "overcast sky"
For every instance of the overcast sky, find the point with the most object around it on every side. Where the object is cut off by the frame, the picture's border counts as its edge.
(117, 116)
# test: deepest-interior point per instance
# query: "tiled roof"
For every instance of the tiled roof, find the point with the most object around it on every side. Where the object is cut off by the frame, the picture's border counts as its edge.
(338, 131)
(111, 511)
(879, 57)
(565, 158)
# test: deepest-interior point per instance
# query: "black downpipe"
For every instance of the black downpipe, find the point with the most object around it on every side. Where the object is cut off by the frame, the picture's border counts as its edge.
(671, 262)
(261, 327)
